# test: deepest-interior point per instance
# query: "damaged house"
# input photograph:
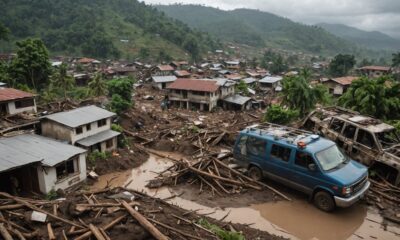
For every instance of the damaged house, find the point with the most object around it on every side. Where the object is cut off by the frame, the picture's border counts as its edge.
(203, 94)
(338, 86)
(13, 101)
(161, 82)
(88, 127)
(33, 163)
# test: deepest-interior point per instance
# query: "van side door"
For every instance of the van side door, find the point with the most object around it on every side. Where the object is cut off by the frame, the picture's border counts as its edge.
(303, 178)
(240, 151)
(279, 161)
(365, 148)
(335, 130)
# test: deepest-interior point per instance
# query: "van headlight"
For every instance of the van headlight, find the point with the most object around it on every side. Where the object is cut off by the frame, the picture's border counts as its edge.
(346, 191)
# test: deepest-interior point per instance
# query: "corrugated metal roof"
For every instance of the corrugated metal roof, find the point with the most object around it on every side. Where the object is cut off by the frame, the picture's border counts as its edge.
(270, 79)
(80, 116)
(8, 94)
(161, 79)
(97, 138)
(194, 85)
(250, 80)
(24, 149)
(237, 99)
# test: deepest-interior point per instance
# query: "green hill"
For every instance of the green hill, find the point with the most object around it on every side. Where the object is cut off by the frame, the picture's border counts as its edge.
(373, 40)
(257, 28)
(101, 28)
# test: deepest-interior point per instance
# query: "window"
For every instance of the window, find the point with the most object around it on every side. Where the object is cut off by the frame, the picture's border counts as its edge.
(279, 152)
(109, 143)
(101, 122)
(303, 159)
(88, 127)
(331, 158)
(79, 130)
(365, 138)
(241, 146)
(257, 146)
(65, 168)
(24, 103)
(337, 125)
(349, 131)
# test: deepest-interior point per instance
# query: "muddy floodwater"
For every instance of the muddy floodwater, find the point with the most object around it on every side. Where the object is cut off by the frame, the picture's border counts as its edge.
(297, 219)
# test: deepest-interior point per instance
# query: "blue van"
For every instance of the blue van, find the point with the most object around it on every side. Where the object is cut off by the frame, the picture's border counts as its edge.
(301, 160)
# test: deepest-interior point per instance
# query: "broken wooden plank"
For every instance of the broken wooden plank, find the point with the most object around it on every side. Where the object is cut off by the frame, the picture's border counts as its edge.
(96, 232)
(4, 233)
(144, 222)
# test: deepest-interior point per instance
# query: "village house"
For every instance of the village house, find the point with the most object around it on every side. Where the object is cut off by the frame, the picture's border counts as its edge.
(88, 61)
(271, 83)
(202, 94)
(88, 127)
(233, 65)
(237, 102)
(33, 163)
(13, 101)
(374, 71)
(181, 65)
(251, 82)
(253, 74)
(163, 70)
(338, 86)
(182, 73)
(234, 77)
(125, 71)
(162, 82)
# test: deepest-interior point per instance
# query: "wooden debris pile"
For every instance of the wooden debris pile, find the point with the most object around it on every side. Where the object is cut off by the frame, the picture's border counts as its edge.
(386, 197)
(212, 174)
(105, 214)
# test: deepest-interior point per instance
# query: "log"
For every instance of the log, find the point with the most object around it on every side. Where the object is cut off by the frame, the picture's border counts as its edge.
(3, 231)
(104, 234)
(108, 226)
(11, 207)
(6, 195)
(144, 222)
(50, 232)
(96, 232)
(19, 234)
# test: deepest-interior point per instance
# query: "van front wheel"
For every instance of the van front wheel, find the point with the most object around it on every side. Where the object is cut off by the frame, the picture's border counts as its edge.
(255, 173)
(324, 201)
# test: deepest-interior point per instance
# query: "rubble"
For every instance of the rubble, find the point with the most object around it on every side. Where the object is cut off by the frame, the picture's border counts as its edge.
(107, 214)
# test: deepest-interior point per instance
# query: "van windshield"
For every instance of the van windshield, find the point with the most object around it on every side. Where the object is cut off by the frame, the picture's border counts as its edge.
(331, 158)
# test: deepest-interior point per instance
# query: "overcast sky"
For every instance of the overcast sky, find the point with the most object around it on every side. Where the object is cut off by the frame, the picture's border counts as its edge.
(370, 15)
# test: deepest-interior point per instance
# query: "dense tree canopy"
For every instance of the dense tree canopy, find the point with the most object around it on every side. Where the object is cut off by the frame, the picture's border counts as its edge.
(396, 59)
(377, 97)
(341, 65)
(60, 79)
(31, 66)
(300, 95)
(3, 32)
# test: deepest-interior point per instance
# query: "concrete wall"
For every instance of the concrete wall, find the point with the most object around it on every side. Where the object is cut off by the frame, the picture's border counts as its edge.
(13, 110)
(227, 91)
(57, 131)
(48, 178)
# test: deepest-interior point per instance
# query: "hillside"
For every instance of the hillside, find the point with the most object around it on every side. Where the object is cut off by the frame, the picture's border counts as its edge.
(256, 28)
(373, 40)
(101, 29)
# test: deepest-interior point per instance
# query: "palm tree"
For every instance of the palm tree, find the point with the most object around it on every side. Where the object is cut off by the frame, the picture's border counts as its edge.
(62, 81)
(298, 94)
(98, 86)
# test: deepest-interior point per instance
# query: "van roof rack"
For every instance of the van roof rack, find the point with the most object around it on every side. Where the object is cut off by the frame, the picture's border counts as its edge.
(279, 132)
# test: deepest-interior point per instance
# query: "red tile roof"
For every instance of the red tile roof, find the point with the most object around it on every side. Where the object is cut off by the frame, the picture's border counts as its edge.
(165, 68)
(9, 94)
(194, 85)
(376, 68)
(182, 73)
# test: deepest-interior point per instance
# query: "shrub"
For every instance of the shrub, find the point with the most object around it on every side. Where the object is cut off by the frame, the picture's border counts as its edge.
(51, 195)
(221, 233)
(279, 115)
(119, 104)
(117, 127)
(96, 155)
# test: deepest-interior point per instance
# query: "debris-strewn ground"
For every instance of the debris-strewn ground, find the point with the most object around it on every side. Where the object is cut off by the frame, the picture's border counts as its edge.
(108, 213)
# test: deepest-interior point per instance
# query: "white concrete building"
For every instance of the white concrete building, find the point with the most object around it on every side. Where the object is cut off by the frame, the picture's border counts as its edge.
(30, 162)
(162, 82)
(88, 127)
(13, 101)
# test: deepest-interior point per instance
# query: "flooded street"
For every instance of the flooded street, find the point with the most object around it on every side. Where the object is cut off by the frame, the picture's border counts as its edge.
(296, 220)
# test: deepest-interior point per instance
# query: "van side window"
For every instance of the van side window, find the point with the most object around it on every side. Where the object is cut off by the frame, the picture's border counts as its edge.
(349, 131)
(257, 146)
(337, 125)
(303, 159)
(242, 145)
(365, 138)
(281, 153)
